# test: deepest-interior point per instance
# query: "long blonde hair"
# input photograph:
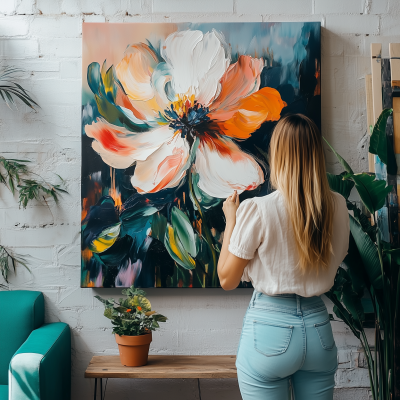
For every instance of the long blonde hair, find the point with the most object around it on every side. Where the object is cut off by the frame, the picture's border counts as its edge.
(298, 171)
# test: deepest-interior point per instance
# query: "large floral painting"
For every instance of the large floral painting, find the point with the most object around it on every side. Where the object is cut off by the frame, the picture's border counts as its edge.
(175, 117)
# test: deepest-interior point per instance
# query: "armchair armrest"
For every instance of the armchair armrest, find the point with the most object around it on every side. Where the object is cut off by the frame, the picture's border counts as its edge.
(41, 368)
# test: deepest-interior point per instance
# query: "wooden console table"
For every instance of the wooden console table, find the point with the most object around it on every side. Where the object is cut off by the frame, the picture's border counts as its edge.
(162, 367)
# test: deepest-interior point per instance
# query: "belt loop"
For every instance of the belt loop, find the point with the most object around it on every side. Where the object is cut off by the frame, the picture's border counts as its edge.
(253, 300)
(298, 304)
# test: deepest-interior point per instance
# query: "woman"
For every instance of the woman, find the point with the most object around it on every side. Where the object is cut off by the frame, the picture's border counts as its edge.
(289, 244)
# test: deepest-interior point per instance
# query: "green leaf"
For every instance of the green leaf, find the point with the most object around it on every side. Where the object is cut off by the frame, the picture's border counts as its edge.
(108, 313)
(159, 318)
(344, 315)
(337, 184)
(368, 253)
(363, 220)
(182, 227)
(100, 299)
(380, 144)
(372, 192)
(355, 268)
(9, 262)
(340, 159)
(105, 239)
(9, 88)
(204, 200)
(177, 250)
(394, 255)
(120, 309)
(158, 227)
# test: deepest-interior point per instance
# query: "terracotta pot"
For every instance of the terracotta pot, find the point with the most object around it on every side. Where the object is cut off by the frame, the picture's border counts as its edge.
(134, 350)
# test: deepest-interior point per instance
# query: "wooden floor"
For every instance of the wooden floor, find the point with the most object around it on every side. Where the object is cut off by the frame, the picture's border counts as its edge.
(169, 367)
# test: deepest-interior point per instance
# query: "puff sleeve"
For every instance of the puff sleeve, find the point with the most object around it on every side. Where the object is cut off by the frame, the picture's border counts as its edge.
(247, 234)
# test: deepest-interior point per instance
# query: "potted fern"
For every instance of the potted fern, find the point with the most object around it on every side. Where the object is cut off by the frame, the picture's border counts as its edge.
(133, 322)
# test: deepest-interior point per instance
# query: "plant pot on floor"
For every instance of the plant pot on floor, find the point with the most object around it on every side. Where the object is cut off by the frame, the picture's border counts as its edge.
(134, 350)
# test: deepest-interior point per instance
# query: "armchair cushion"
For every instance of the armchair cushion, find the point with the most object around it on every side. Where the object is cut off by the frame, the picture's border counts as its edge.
(41, 368)
(21, 312)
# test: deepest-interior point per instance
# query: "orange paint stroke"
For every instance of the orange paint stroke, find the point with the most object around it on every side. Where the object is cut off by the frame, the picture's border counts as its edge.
(114, 192)
(317, 91)
(87, 255)
(92, 198)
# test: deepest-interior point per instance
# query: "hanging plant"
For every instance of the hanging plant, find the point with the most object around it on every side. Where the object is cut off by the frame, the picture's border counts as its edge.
(15, 174)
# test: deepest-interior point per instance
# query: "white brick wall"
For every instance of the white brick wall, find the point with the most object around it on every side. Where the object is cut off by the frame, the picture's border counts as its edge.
(44, 37)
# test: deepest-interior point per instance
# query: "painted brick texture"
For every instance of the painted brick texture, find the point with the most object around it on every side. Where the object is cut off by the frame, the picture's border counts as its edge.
(44, 37)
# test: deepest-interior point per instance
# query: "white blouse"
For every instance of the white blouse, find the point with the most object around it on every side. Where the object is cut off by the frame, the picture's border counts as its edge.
(264, 235)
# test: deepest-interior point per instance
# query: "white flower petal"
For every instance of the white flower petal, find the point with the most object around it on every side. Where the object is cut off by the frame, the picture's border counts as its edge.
(197, 62)
(224, 167)
(164, 169)
(135, 69)
(120, 148)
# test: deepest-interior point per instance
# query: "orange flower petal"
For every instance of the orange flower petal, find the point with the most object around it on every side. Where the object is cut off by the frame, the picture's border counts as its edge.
(248, 114)
(240, 79)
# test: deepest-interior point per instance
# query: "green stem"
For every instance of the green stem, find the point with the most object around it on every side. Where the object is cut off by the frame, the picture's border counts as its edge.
(207, 233)
(376, 354)
(386, 338)
(369, 363)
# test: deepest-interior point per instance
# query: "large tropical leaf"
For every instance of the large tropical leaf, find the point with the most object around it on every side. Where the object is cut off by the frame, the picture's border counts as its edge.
(355, 268)
(342, 161)
(363, 220)
(368, 253)
(381, 145)
(372, 192)
(337, 184)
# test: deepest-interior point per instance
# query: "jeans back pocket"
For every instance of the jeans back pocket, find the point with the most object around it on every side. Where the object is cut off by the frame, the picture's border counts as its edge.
(271, 339)
(324, 330)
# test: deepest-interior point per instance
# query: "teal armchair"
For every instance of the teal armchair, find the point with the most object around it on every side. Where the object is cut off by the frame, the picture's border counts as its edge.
(35, 358)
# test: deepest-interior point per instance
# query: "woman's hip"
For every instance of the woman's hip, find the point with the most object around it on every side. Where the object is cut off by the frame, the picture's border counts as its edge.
(284, 334)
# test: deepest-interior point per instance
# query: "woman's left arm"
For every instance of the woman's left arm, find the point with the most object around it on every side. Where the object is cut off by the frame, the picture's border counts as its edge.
(230, 267)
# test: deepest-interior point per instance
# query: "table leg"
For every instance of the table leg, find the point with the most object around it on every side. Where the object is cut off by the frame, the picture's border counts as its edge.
(95, 388)
(198, 385)
(101, 389)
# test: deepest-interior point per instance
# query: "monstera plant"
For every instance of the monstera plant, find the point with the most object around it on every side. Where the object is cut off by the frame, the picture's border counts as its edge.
(371, 268)
(15, 174)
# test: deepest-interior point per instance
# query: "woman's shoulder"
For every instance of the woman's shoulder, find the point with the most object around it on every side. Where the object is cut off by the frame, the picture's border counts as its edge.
(274, 197)
(339, 199)
(341, 210)
(265, 204)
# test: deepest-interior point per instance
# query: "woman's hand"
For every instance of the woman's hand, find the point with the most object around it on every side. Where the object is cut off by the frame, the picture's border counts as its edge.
(229, 207)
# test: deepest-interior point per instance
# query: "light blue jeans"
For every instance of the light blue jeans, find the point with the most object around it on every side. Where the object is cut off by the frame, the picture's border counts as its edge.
(286, 337)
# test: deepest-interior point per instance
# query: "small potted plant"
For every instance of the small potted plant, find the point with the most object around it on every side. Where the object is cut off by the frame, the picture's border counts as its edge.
(133, 323)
